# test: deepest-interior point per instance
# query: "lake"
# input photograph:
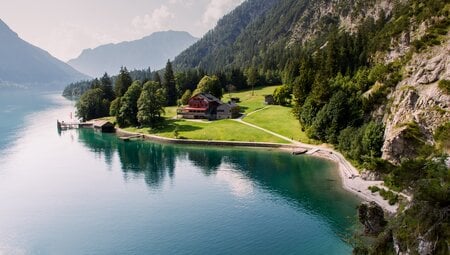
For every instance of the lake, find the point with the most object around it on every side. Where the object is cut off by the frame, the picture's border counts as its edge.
(83, 192)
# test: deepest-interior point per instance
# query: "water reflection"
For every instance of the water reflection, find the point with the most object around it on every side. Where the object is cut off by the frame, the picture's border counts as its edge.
(297, 180)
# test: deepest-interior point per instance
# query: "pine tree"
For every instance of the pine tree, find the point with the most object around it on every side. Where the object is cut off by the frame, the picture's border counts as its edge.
(106, 86)
(157, 78)
(123, 82)
(169, 85)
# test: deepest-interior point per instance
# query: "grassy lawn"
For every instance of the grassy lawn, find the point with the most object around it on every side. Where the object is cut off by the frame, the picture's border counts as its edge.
(249, 102)
(275, 118)
(280, 120)
(170, 111)
(110, 119)
(227, 130)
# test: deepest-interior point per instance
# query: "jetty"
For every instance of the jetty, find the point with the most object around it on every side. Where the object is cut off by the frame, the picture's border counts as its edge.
(62, 125)
(98, 125)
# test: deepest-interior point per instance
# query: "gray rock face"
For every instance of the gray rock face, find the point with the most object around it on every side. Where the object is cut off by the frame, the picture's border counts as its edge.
(370, 176)
(371, 215)
(348, 19)
(425, 247)
(417, 99)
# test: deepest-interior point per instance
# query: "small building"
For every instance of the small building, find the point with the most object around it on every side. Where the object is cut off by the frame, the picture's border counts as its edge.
(227, 111)
(269, 100)
(207, 106)
(104, 126)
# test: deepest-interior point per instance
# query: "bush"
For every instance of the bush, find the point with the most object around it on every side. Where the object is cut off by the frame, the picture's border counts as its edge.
(282, 95)
(389, 196)
(374, 189)
(442, 136)
(444, 85)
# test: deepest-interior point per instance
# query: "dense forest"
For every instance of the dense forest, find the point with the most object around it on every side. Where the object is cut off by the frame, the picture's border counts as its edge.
(336, 84)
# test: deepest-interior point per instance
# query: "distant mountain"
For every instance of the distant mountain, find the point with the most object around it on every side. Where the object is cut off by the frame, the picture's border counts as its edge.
(25, 65)
(151, 51)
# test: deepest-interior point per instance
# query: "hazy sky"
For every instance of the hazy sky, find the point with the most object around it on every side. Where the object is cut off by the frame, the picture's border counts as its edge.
(66, 27)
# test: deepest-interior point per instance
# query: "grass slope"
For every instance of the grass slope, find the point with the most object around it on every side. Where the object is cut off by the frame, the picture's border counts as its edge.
(226, 130)
(279, 119)
(275, 118)
(249, 102)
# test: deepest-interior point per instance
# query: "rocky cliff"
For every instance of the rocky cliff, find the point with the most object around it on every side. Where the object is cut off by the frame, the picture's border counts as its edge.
(417, 106)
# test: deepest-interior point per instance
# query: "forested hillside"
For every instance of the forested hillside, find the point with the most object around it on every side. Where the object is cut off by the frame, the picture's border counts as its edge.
(259, 32)
(216, 49)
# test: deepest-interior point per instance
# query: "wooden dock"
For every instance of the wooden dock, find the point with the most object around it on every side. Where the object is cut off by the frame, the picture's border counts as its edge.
(61, 125)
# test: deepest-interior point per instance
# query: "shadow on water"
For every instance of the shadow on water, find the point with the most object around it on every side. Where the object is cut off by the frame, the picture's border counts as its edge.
(308, 183)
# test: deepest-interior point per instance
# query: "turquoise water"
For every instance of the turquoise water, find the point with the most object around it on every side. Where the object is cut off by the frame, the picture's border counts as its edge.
(82, 192)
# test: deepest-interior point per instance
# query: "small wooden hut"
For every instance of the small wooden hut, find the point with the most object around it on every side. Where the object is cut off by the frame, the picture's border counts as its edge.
(104, 126)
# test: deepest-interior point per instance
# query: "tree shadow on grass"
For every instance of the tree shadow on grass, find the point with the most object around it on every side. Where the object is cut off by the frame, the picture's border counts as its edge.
(242, 109)
(171, 125)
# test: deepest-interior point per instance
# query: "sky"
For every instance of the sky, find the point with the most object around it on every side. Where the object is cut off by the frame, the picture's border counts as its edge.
(65, 27)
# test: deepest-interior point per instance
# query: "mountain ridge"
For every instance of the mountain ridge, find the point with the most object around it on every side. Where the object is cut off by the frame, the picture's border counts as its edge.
(23, 64)
(150, 51)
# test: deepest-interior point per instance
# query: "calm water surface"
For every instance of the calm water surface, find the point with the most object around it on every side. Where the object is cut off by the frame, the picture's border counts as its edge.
(81, 192)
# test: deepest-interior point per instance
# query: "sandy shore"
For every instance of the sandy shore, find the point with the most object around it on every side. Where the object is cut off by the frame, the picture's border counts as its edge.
(351, 181)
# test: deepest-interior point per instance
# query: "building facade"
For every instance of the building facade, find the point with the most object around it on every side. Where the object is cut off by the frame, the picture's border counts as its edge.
(207, 106)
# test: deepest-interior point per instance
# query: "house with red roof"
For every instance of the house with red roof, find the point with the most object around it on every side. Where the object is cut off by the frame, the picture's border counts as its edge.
(207, 106)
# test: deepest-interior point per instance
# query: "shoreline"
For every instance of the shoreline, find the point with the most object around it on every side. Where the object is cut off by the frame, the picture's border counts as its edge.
(350, 178)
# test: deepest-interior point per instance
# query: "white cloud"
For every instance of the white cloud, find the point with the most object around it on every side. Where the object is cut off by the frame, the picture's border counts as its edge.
(160, 19)
(216, 9)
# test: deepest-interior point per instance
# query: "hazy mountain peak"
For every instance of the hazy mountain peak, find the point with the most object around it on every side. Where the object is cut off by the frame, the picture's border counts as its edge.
(150, 51)
(24, 64)
(6, 30)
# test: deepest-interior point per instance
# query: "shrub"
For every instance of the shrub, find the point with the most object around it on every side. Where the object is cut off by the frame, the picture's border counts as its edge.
(442, 136)
(444, 85)
(389, 196)
(374, 189)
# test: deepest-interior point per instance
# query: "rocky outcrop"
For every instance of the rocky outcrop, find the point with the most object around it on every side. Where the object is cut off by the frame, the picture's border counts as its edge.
(371, 176)
(417, 101)
(371, 216)
(321, 13)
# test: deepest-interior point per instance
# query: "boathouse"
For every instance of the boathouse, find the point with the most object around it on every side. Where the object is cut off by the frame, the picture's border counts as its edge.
(104, 126)
(207, 106)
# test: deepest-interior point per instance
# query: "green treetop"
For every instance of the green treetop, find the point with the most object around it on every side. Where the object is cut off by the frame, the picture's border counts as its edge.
(128, 106)
(123, 82)
(209, 85)
(150, 105)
